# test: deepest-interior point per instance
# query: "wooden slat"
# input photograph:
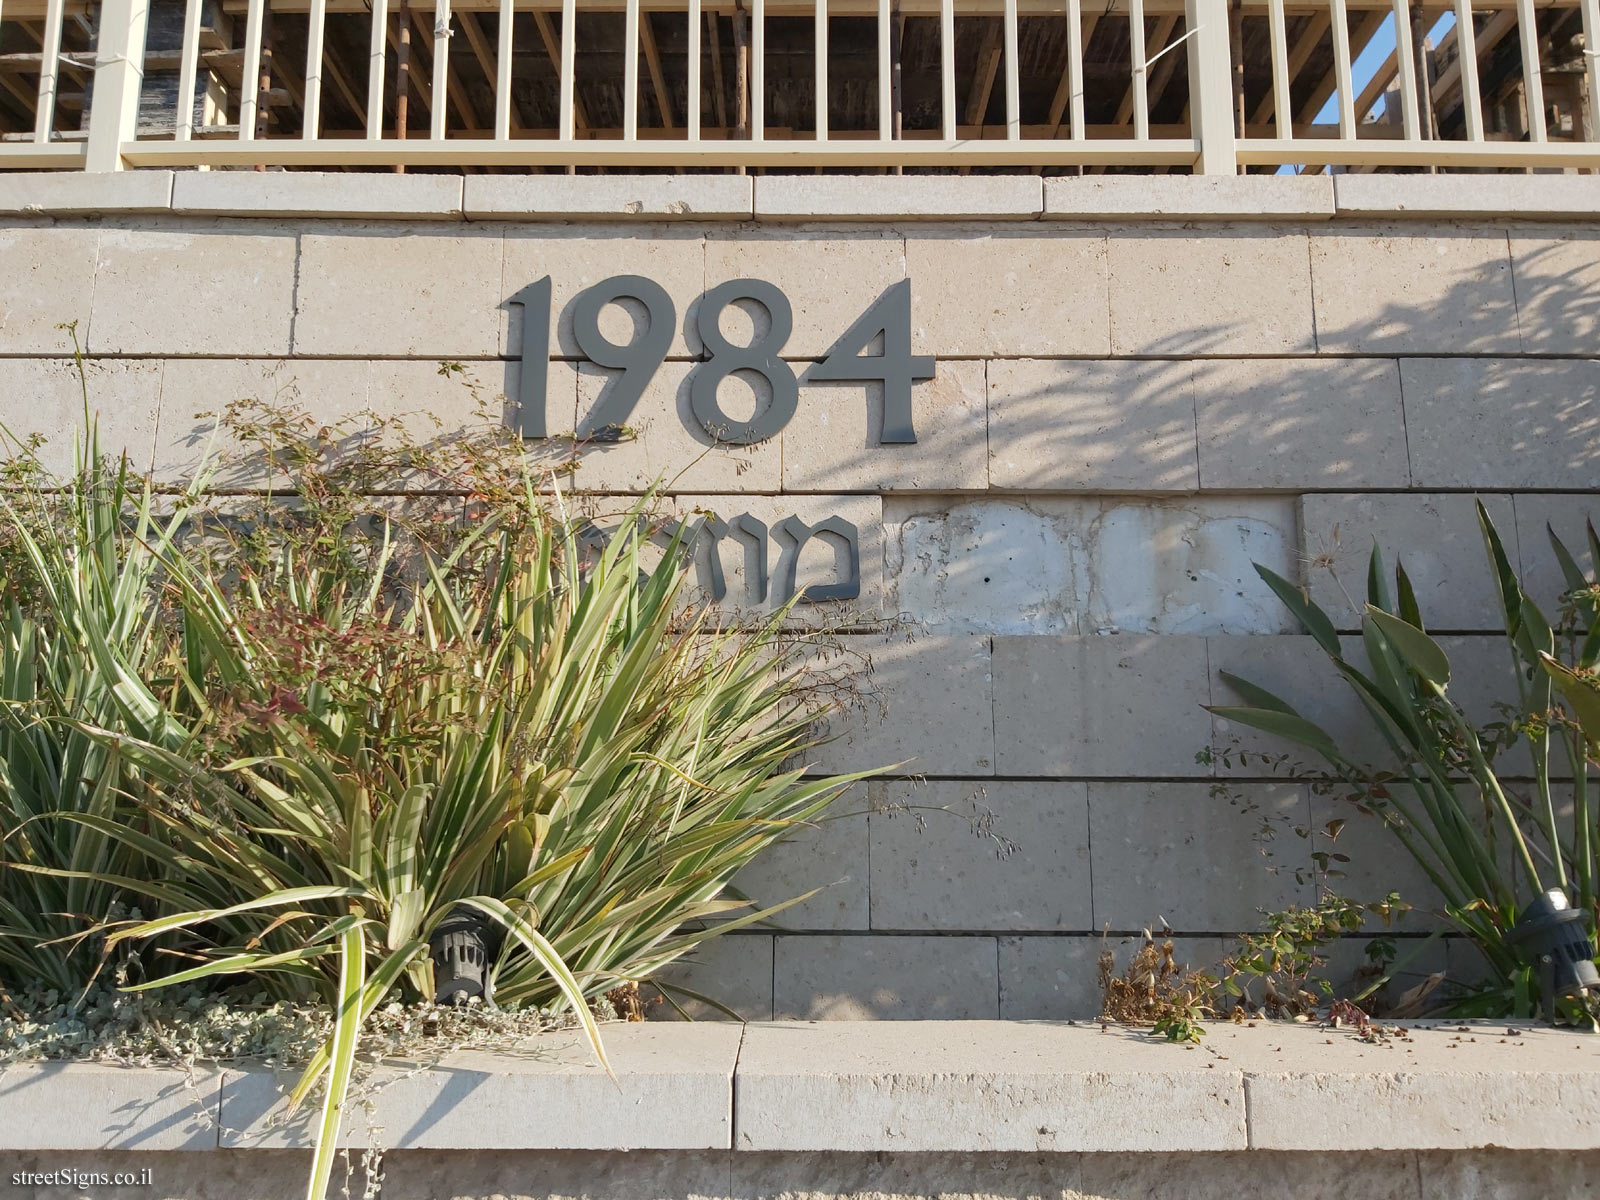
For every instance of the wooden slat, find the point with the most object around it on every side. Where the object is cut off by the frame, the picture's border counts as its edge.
(441, 66)
(1405, 59)
(692, 115)
(1136, 56)
(758, 70)
(885, 76)
(1013, 73)
(569, 62)
(1281, 96)
(658, 78)
(1471, 100)
(1532, 80)
(1341, 69)
(1591, 39)
(1303, 47)
(947, 68)
(377, 47)
(248, 88)
(819, 58)
(1158, 43)
(630, 72)
(49, 68)
(189, 66)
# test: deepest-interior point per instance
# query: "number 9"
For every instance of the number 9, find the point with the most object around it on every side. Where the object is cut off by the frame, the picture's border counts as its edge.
(638, 360)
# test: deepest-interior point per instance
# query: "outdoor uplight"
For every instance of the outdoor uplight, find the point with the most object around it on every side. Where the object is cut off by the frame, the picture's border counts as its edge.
(462, 947)
(1551, 933)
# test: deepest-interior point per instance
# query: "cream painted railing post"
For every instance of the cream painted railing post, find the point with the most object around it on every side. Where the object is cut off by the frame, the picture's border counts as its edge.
(1210, 86)
(118, 74)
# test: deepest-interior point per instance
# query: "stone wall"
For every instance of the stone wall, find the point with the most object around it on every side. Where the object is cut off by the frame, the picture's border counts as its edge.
(1125, 415)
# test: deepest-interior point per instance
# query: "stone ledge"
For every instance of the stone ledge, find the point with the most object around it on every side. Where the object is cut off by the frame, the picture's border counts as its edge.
(933, 1086)
(897, 197)
(84, 193)
(1509, 197)
(1189, 197)
(607, 197)
(317, 194)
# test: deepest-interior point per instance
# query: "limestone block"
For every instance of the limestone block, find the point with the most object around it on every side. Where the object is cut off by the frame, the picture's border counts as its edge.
(1418, 954)
(1056, 978)
(980, 1087)
(1054, 565)
(1538, 515)
(1371, 1175)
(1246, 290)
(829, 977)
(551, 1174)
(1189, 197)
(820, 1175)
(1300, 423)
(831, 855)
(397, 291)
(1085, 706)
(734, 969)
(1400, 289)
(1441, 1089)
(36, 193)
(1176, 853)
(925, 701)
(95, 1106)
(437, 401)
(195, 392)
(369, 194)
(48, 282)
(829, 279)
(578, 258)
(760, 547)
(608, 197)
(1497, 423)
(669, 446)
(1557, 277)
(1506, 1174)
(1008, 293)
(672, 1091)
(1072, 425)
(952, 855)
(220, 287)
(833, 443)
(1436, 537)
(45, 396)
(1539, 196)
(896, 197)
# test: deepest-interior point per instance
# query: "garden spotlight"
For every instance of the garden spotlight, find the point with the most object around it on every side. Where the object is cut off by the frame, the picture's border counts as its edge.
(461, 948)
(1551, 934)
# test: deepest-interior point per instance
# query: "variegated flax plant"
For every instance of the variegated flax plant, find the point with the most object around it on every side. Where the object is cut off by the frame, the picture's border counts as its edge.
(297, 759)
(1488, 841)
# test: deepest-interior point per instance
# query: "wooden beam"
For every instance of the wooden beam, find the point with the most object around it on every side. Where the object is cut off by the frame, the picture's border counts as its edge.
(1058, 102)
(719, 95)
(346, 90)
(983, 81)
(1158, 43)
(485, 54)
(414, 72)
(658, 79)
(1298, 57)
(455, 92)
(1365, 32)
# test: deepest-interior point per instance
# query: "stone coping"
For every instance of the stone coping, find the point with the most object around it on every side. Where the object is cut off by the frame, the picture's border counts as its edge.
(952, 1086)
(789, 199)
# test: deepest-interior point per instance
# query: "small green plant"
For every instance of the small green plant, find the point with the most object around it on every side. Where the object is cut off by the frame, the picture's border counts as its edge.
(1487, 843)
(1155, 989)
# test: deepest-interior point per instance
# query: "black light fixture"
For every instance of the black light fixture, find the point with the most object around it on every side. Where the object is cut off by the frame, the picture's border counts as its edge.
(1551, 933)
(462, 947)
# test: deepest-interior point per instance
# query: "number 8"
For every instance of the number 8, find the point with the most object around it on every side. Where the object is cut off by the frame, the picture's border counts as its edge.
(760, 356)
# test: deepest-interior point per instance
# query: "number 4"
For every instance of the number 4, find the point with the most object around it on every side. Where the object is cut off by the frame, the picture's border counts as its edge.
(897, 367)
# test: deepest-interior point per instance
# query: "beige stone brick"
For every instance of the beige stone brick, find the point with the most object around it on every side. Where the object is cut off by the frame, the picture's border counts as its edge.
(1557, 278)
(829, 279)
(1378, 862)
(1092, 426)
(279, 194)
(37, 193)
(196, 391)
(1536, 516)
(953, 855)
(1410, 290)
(48, 282)
(871, 977)
(1300, 423)
(1436, 537)
(1498, 423)
(614, 198)
(1175, 853)
(1246, 290)
(1056, 978)
(669, 445)
(833, 442)
(1008, 293)
(202, 288)
(1086, 706)
(924, 701)
(1189, 197)
(896, 197)
(830, 854)
(577, 258)
(1467, 196)
(1065, 564)
(45, 397)
(734, 969)
(400, 290)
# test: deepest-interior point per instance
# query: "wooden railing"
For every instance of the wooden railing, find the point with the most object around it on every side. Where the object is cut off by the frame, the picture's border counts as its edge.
(1209, 86)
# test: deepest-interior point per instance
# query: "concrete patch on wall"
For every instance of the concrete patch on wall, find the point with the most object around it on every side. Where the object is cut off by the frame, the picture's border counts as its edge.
(1066, 565)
